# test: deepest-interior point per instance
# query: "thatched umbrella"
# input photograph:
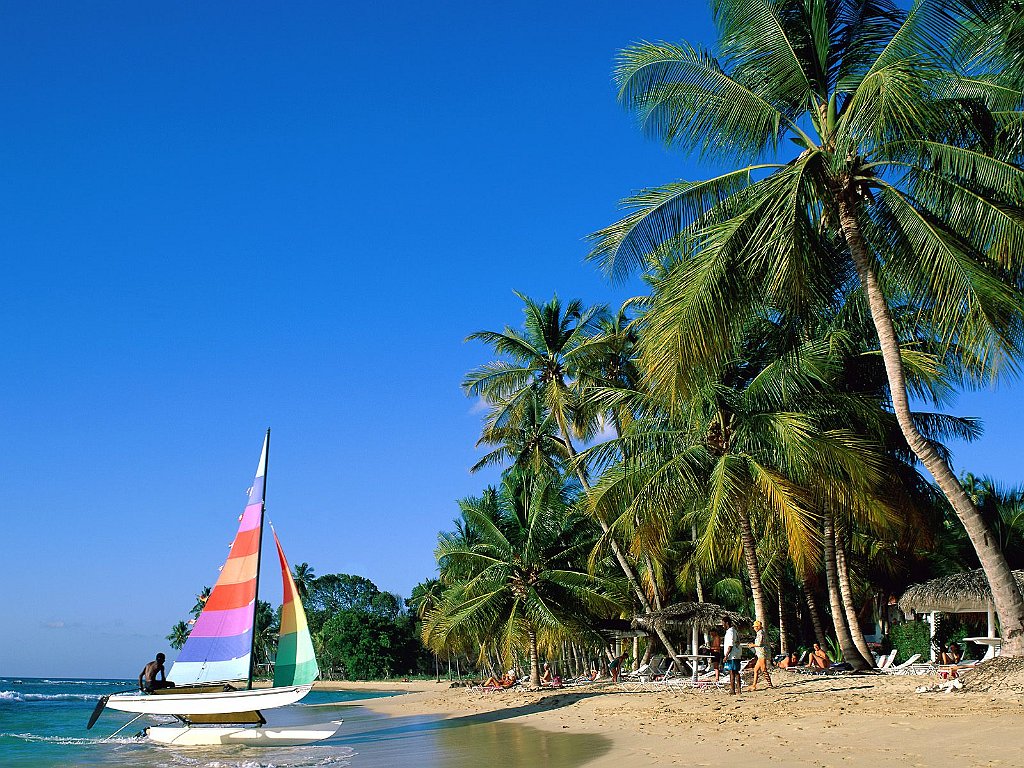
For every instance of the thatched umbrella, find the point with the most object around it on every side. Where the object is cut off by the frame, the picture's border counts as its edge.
(967, 592)
(696, 616)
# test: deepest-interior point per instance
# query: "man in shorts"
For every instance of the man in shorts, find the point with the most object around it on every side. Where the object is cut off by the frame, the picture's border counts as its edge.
(733, 652)
(147, 677)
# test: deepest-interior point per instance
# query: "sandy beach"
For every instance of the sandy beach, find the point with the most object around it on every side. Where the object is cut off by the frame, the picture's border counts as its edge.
(864, 720)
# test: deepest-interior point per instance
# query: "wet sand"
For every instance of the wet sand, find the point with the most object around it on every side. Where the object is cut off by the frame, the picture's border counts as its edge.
(864, 720)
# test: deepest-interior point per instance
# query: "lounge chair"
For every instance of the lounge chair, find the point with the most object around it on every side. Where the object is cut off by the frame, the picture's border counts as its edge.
(901, 669)
(884, 662)
(645, 676)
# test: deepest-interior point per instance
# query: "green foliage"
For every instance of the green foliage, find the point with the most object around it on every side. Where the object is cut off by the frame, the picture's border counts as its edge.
(833, 649)
(909, 638)
(179, 634)
(369, 646)
(512, 572)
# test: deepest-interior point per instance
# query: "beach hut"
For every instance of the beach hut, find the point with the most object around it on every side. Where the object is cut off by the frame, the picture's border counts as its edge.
(966, 592)
(694, 616)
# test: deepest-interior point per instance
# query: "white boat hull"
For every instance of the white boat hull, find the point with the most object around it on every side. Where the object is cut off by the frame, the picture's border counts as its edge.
(263, 736)
(219, 703)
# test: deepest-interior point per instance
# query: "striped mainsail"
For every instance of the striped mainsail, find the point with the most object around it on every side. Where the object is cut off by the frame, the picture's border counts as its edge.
(296, 662)
(219, 646)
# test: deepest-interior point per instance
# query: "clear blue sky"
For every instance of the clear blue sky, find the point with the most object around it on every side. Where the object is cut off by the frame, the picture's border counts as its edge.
(218, 218)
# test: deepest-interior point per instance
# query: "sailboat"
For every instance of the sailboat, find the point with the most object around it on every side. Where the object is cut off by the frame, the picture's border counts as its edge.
(213, 698)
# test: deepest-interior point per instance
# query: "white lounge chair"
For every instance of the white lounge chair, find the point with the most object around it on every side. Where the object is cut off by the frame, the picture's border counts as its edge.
(906, 668)
(645, 676)
(885, 662)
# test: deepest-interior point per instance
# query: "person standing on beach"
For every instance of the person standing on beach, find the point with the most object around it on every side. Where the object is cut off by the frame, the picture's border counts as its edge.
(147, 677)
(759, 651)
(733, 652)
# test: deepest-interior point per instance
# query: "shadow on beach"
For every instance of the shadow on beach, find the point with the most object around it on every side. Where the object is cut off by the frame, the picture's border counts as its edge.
(470, 740)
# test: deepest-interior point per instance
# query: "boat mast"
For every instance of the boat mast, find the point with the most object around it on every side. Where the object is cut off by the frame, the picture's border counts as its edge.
(259, 557)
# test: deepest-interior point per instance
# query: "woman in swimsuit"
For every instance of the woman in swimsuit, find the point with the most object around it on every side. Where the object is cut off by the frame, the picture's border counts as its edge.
(761, 666)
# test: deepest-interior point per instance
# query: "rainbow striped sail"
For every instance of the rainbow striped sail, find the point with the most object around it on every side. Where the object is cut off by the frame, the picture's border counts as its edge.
(296, 662)
(220, 644)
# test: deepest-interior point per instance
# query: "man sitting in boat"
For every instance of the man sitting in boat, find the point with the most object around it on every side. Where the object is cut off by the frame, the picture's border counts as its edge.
(147, 677)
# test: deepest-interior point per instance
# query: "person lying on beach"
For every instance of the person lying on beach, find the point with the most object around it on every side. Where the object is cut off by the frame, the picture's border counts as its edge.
(506, 682)
(789, 661)
(148, 676)
(818, 658)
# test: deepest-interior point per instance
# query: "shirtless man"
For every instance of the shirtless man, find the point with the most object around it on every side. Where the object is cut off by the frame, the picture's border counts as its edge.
(147, 677)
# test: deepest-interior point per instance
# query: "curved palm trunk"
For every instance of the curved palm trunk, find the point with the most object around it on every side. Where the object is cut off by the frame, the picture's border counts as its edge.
(753, 569)
(1009, 603)
(620, 556)
(812, 608)
(534, 665)
(850, 653)
(846, 591)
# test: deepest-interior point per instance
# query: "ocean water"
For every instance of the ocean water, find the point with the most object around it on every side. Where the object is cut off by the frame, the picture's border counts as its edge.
(42, 725)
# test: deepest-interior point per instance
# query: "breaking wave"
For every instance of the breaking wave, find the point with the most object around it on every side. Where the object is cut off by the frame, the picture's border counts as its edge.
(68, 739)
(301, 757)
(19, 696)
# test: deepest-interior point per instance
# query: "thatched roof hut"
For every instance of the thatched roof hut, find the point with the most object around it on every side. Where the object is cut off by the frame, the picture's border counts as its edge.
(966, 592)
(689, 615)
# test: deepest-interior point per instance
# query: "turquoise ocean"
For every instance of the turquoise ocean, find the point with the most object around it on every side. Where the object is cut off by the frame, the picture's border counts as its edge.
(42, 725)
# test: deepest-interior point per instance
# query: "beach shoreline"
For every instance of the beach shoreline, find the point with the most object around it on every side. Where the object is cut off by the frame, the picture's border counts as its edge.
(857, 720)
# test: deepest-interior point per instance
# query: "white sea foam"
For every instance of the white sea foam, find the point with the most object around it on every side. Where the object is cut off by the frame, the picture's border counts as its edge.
(68, 739)
(19, 696)
(294, 757)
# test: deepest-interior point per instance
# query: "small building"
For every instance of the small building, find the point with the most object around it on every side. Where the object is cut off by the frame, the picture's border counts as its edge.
(966, 592)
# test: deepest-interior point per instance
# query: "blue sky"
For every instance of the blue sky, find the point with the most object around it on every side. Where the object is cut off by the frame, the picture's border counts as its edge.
(221, 217)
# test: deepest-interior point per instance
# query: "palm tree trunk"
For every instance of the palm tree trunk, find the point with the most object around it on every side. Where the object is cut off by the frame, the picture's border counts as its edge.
(783, 641)
(620, 556)
(850, 653)
(846, 591)
(696, 568)
(812, 608)
(534, 660)
(1009, 603)
(753, 569)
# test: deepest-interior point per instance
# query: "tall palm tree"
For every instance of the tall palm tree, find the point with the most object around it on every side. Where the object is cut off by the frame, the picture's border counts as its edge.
(903, 181)
(200, 603)
(756, 440)
(526, 436)
(520, 580)
(304, 577)
(548, 358)
(179, 634)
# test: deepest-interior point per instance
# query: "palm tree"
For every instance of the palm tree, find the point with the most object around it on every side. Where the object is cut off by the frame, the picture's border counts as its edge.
(304, 576)
(548, 358)
(200, 603)
(266, 627)
(903, 181)
(527, 436)
(179, 634)
(757, 440)
(520, 581)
